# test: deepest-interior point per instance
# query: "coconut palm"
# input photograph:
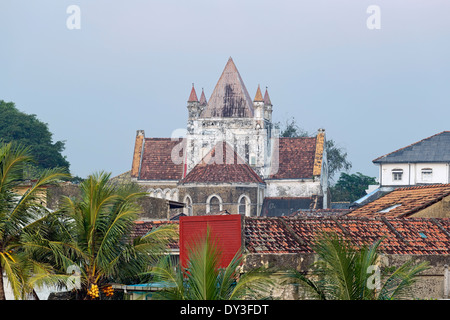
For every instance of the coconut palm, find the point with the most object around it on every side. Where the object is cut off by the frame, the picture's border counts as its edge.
(91, 236)
(346, 272)
(19, 214)
(203, 279)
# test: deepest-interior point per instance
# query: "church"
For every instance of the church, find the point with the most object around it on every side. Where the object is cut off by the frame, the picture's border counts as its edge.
(232, 159)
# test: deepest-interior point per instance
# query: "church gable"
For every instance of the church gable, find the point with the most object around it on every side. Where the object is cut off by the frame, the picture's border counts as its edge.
(222, 165)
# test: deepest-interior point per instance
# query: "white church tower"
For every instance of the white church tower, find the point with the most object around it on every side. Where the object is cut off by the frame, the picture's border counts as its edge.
(230, 115)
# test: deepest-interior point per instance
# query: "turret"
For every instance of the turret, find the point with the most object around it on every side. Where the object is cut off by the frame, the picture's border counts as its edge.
(258, 105)
(193, 105)
(267, 107)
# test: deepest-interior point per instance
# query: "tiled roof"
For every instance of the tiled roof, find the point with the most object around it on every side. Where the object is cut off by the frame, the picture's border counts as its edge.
(295, 158)
(403, 202)
(157, 162)
(297, 235)
(432, 149)
(230, 97)
(222, 165)
(416, 236)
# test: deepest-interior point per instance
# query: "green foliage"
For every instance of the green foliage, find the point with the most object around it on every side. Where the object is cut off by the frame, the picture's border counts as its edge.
(20, 215)
(351, 187)
(93, 233)
(343, 272)
(202, 279)
(30, 131)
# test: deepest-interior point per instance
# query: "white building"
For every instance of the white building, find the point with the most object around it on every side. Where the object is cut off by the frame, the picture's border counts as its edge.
(424, 162)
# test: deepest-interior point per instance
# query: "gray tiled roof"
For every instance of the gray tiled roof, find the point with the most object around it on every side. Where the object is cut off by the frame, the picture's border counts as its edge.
(433, 149)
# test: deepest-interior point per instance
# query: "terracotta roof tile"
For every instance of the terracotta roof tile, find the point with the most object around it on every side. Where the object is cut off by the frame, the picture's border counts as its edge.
(157, 162)
(413, 236)
(295, 158)
(403, 202)
(401, 236)
(222, 164)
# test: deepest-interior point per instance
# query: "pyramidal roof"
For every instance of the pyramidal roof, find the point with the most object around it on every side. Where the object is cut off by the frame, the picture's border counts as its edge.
(230, 98)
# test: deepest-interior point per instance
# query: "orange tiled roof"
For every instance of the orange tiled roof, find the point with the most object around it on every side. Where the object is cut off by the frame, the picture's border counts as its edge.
(296, 235)
(414, 236)
(295, 158)
(403, 202)
(157, 163)
(222, 164)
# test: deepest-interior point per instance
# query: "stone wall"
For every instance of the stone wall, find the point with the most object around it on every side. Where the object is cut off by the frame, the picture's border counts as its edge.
(229, 195)
(430, 283)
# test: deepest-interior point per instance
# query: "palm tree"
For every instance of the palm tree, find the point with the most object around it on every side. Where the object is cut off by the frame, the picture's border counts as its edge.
(19, 214)
(203, 279)
(92, 237)
(346, 272)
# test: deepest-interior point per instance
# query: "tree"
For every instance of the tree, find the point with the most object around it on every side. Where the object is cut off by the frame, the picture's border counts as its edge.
(28, 130)
(346, 272)
(19, 215)
(202, 279)
(91, 235)
(351, 187)
(336, 156)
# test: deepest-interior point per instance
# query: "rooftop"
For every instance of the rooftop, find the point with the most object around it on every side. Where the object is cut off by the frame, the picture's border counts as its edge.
(432, 149)
(403, 202)
(416, 236)
(222, 165)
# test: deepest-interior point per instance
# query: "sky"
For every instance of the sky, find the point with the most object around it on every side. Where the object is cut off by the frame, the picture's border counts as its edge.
(130, 66)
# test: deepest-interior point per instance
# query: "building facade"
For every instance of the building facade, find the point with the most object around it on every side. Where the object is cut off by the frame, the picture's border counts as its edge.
(231, 158)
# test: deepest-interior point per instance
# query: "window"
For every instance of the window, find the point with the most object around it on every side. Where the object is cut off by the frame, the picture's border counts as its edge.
(214, 204)
(427, 174)
(397, 174)
(188, 202)
(244, 205)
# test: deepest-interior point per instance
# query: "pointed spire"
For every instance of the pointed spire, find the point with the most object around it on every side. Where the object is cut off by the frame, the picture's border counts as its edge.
(203, 101)
(267, 98)
(193, 95)
(258, 96)
(230, 98)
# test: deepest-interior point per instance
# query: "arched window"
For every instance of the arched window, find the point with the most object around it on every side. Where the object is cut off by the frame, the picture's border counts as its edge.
(244, 205)
(427, 174)
(213, 204)
(188, 202)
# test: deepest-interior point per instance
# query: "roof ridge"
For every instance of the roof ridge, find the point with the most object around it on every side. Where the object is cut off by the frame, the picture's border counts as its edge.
(410, 145)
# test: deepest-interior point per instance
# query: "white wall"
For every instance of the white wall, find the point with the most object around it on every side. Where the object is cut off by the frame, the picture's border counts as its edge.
(292, 188)
(412, 173)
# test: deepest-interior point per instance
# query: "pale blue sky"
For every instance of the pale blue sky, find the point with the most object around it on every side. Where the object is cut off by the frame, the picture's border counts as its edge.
(132, 63)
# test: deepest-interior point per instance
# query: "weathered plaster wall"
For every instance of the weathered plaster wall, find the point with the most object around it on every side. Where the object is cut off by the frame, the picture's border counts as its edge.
(430, 284)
